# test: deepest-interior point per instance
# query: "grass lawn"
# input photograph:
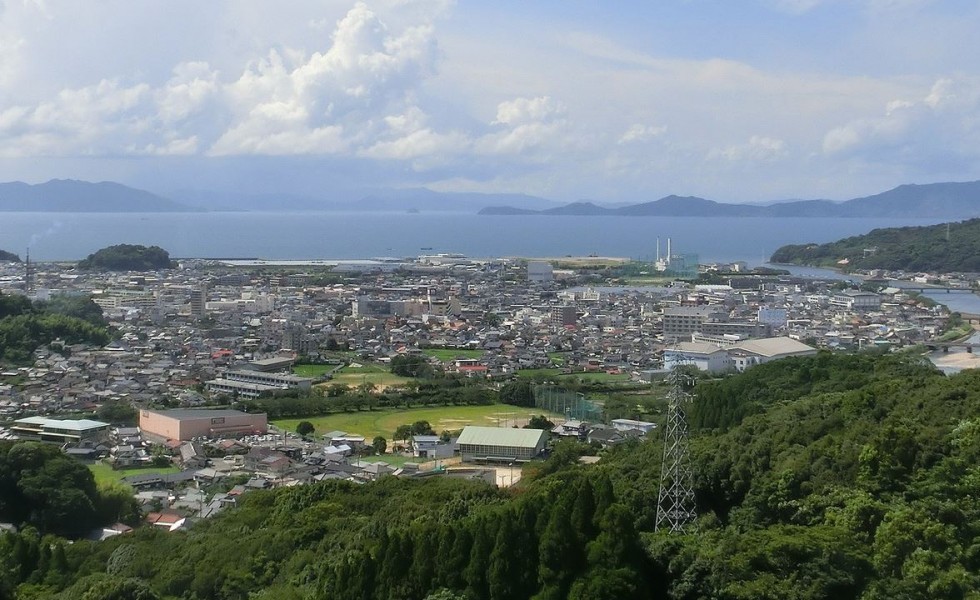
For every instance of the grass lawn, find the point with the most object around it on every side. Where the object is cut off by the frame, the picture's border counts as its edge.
(557, 358)
(313, 371)
(529, 373)
(384, 422)
(105, 474)
(448, 354)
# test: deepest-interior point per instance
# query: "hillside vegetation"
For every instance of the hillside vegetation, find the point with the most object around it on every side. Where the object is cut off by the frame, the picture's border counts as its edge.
(834, 476)
(127, 257)
(8, 256)
(24, 327)
(944, 248)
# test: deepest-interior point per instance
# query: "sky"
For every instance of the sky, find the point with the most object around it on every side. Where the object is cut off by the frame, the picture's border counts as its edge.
(736, 101)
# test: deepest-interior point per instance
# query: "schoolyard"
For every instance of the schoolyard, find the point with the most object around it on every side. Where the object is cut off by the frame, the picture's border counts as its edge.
(442, 418)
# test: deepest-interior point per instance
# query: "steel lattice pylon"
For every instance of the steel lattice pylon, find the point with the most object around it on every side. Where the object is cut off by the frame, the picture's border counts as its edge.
(675, 502)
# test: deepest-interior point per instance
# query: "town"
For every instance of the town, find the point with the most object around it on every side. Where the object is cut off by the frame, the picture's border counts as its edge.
(185, 400)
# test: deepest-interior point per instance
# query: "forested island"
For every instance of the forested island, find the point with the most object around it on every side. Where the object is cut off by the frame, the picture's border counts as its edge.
(833, 476)
(26, 326)
(127, 257)
(944, 248)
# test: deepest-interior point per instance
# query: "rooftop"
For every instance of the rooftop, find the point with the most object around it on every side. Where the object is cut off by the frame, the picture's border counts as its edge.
(501, 436)
(63, 424)
(193, 413)
(774, 346)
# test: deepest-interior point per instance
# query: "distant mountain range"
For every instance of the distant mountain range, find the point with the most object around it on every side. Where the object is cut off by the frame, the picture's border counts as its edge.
(936, 200)
(386, 200)
(68, 195)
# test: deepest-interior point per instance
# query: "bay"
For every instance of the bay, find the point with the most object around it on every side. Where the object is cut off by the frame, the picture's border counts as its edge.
(348, 235)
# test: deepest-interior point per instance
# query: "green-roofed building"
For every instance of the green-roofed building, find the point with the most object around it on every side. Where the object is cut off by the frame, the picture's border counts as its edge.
(500, 444)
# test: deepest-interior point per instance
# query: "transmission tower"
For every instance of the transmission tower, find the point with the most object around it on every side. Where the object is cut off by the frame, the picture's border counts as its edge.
(675, 502)
(28, 274)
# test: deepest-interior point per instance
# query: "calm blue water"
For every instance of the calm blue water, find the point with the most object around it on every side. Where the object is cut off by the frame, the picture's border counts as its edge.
(72, 236)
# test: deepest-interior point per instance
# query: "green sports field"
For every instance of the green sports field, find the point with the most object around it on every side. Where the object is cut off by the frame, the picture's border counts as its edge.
(312, 370)
(384, 422)
(105, 474)
(449, 354)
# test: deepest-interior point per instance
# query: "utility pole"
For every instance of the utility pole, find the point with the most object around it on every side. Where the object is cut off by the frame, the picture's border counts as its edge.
(675, 502)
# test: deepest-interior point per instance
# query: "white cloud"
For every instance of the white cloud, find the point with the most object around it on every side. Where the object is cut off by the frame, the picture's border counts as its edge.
(757, 149)
(524, 124)
(191, 87)
(331, 98)
(944, 120)
(408, 136)
(478, 99)
(641, 133)
(175, 147)
(81, 120)
(527, 110)
(289, 102)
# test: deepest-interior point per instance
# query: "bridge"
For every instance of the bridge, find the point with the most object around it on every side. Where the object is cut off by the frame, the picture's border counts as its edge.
(941, 289)
(945, 346)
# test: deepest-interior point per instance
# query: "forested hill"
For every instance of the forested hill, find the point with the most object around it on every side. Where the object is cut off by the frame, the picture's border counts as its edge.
(8, 256)
(945, 248)
(127, 257)
(834, 476)
(26, 326)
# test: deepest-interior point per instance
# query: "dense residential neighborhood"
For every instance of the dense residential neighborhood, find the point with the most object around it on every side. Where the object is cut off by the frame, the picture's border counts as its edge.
(194, 345)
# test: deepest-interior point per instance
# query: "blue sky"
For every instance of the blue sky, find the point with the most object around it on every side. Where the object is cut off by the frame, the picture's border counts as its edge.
(744, 101)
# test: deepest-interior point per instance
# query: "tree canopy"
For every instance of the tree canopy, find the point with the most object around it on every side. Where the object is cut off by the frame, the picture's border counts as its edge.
(42, 487)
(833, 476)
(127, 257)
(25, 327)
(944, 248)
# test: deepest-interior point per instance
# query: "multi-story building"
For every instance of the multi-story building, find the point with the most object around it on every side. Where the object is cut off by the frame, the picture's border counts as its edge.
(199, 299)
(562, 316)
(252, 384)
(60, 431)
(681, 321)
(856, 300)
(125, 298)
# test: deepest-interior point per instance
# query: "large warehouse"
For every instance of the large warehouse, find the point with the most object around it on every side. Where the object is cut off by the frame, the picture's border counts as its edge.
(186, 424)
(500, 444)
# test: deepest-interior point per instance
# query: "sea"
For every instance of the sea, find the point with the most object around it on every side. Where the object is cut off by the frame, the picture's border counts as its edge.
(353, 235)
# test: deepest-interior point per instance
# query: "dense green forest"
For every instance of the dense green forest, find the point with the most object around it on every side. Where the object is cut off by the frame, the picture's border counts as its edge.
(945, 248)
(8, 256)
(127, 257)
(55, 494)
(834, 476)
(24, 326)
